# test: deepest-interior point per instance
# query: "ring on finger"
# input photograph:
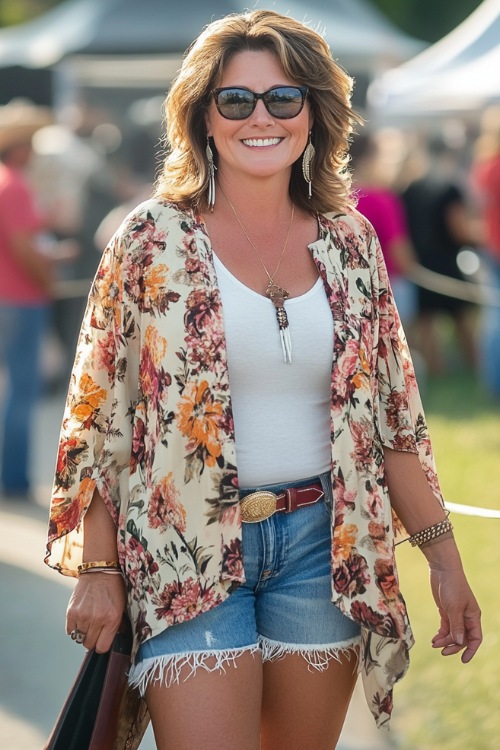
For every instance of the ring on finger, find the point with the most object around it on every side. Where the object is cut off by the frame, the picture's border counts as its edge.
(77, 636)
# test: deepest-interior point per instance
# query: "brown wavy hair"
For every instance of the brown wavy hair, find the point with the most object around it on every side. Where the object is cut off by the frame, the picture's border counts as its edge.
(306, 59)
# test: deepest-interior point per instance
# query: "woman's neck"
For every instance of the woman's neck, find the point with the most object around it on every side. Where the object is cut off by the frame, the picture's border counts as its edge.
(253, 197)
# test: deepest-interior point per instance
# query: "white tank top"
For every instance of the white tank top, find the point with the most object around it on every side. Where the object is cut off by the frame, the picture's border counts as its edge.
(281, 411)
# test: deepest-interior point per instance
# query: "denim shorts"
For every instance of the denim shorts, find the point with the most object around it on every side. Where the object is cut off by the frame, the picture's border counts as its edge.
(283, 607)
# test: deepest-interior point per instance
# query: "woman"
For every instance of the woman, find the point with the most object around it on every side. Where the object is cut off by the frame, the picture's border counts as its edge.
(241, 355)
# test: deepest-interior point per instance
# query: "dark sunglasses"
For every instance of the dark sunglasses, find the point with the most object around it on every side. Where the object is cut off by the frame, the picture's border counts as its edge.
(238, 103)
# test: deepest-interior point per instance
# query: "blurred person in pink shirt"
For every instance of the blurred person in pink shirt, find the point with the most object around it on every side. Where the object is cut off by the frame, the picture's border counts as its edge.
(383, 207)
(26, 288)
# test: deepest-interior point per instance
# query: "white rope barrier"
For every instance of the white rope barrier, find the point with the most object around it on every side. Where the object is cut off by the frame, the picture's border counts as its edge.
(471, 510)
(468, 291)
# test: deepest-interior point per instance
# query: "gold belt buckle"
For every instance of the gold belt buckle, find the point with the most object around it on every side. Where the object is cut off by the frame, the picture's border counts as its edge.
(258, 506)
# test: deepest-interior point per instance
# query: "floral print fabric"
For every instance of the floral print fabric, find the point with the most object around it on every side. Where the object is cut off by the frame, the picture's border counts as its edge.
(148, 423)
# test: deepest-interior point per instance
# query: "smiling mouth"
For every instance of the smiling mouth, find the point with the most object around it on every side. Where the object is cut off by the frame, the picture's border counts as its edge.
(261, 142)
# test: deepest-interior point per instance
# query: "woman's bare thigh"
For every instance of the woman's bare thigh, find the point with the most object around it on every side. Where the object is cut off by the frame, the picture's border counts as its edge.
(217, 710)
(303, 707)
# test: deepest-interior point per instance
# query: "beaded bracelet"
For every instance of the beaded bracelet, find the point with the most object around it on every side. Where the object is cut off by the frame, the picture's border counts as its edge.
(432, 532)
(108, 571)
(104, 564)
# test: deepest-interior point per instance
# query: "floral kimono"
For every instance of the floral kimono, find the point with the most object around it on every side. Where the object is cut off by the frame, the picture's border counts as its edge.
(148, 423)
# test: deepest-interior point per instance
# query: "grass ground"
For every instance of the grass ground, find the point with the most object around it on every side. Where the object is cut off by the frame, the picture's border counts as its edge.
(442, 703)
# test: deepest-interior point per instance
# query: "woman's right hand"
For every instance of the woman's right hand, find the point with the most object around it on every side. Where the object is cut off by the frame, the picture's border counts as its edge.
(96, 609)
(460, 616)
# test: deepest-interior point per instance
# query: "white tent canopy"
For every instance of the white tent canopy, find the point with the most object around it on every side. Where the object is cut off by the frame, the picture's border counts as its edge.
(458, 74)
(359, 35)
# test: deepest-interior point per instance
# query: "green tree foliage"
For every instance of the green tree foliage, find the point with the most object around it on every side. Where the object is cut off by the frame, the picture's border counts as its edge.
(427, 19)
(18, 11)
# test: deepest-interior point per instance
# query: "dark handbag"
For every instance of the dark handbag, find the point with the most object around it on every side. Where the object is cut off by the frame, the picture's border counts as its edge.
(101, 711)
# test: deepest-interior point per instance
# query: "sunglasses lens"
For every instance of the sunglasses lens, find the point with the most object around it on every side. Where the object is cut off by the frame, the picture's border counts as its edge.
(284, 102)
(235, 104)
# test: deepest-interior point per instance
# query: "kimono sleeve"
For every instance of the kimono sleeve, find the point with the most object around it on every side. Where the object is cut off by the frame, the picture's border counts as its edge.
(400, 415)
(96, 435)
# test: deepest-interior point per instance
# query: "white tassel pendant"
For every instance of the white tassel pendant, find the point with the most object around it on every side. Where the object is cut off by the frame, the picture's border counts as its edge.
(286, 343)
(278, 295)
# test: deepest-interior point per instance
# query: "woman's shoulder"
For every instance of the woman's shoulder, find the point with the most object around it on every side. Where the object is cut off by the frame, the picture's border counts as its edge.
(151, 229)
(347, 222)
(162, 213)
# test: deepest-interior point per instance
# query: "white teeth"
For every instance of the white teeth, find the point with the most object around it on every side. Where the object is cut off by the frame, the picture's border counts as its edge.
(261, 141)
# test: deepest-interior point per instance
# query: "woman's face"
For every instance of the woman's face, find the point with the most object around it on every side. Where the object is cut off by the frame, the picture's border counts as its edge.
(260, 145)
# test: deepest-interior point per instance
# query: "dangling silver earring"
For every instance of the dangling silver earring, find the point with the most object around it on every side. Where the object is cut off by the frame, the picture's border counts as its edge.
(307, 160)
(211, 175)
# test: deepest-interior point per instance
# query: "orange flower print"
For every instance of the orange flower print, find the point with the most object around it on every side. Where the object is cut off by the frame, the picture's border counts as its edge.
(90, 398)
(72, 451)
(198, 420)
(64, 515)
(156, 344)
(361, 378)
(110, 285)
(154, 279)
(344, 539)
(154, 380)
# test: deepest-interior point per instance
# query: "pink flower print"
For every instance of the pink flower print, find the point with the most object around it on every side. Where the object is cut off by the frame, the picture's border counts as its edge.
(140, 568)
(397, 405)
(105, 355)
(348, 361)
(181, 601)
(362, 434)
(192, 265)
(233, 559)
(138, 444)
(386, 578)
(164, 508)
(351, 577)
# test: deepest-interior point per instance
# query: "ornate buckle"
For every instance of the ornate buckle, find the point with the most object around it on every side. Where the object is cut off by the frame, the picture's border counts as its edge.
(258, 506)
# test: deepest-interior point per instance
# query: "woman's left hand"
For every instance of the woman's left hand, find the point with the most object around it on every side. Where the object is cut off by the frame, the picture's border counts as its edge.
(460, 628)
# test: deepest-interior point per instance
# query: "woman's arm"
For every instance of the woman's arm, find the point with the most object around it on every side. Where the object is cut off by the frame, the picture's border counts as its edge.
(418, 508)
(98, 600)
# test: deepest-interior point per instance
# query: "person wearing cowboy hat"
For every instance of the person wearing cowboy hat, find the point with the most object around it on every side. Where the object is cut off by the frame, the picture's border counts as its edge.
(26, 279)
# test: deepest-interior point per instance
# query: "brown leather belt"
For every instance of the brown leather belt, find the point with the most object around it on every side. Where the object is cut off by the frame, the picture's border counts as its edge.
(262, 504)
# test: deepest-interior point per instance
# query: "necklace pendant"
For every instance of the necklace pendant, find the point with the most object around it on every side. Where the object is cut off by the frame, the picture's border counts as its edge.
(278, 295)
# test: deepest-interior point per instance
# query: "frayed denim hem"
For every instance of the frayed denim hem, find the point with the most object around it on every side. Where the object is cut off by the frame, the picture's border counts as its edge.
(317, 657)
(166, 670)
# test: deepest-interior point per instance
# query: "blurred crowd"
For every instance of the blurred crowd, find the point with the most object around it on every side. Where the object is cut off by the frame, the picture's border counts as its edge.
(68, 179)
(433, 197)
